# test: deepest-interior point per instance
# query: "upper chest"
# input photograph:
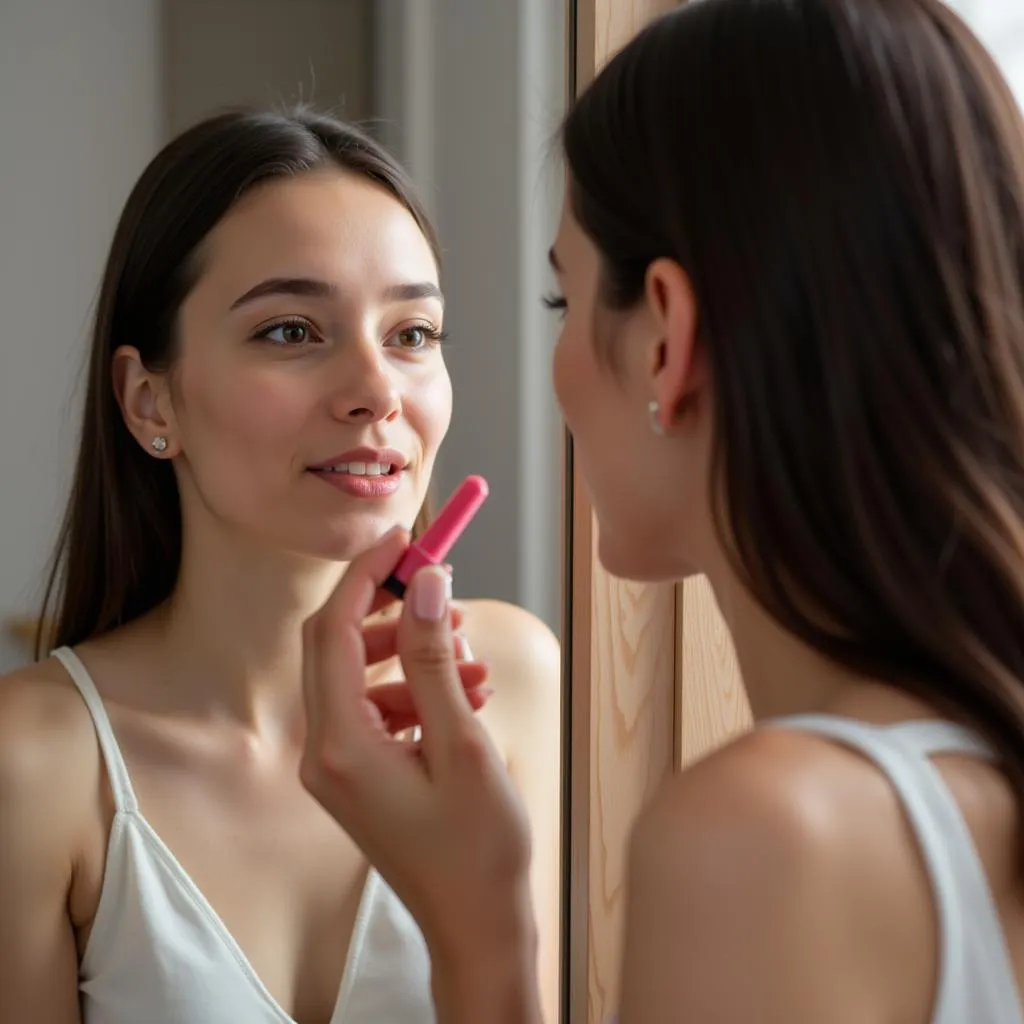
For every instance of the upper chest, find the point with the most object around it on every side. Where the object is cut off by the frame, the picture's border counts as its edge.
(278, 881)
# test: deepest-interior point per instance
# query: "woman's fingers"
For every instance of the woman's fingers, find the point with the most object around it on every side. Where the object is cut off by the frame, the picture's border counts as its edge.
(395, 698)
(334, 670)
(381, 638)
(399, 722)
(439, 817)
(426, 649)
(384, 598)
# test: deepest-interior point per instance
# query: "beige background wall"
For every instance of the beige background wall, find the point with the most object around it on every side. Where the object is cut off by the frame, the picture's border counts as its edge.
(225, 52)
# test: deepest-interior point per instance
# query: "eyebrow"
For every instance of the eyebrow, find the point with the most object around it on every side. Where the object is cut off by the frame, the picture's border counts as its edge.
(306, 286)
(553, 260)
(312, 288)
(415, 290)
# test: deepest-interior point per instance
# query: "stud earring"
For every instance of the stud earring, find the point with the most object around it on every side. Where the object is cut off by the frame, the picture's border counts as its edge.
(653, 409)
(159, 443)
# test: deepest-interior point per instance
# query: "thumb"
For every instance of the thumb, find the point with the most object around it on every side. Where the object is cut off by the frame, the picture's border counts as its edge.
(427, 652)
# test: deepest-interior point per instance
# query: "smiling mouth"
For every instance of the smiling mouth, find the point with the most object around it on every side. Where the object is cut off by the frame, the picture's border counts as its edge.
(360, 469)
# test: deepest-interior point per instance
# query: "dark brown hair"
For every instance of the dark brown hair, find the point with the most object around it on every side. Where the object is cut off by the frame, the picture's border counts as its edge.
(119, 546)
(843, 182)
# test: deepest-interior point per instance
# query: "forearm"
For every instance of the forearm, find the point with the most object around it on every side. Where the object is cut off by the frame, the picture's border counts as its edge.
(497, 981)
(499, 989)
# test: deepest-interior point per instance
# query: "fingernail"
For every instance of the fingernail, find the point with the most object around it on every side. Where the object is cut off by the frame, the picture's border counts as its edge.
(431, 592)
(467, 651)
(479, 697)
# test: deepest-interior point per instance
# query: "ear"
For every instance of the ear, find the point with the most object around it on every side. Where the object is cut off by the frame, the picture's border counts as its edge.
(677, 364)
(145, 402)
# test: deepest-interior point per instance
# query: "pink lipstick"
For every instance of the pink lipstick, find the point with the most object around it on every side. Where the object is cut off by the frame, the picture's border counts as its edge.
(441, 535)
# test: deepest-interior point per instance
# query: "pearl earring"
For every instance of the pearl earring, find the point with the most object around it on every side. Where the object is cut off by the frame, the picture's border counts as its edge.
(653, 410)
(159, 443)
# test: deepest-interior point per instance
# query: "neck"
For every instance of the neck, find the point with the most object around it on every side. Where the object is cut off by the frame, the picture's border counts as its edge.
(230, 636)
(781, 674)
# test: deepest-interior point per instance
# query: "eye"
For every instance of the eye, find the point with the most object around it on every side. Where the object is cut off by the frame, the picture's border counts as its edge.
(556, 303)
(288, 333)
(418, 338)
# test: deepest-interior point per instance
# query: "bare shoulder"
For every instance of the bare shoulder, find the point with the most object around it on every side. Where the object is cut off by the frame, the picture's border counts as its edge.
(49, 772)
(520, 648)
(750, 807)
(524, 661)
(762, 880)
(47, 741)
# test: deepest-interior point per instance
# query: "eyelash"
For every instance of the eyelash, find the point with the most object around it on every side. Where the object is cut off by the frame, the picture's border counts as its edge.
(434, 336)
(555, 302)
(263, 333)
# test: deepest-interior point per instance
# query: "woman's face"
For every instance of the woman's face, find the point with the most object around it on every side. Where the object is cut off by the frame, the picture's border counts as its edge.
(310, 395)
(649, 490)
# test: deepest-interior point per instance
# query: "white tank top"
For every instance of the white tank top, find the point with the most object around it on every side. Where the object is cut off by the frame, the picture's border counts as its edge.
(976, 981)
(159, 954)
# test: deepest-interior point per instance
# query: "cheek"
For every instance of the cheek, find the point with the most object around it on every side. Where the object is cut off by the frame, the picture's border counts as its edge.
(561, 374)
(573, 373)
(428, 409)
(241, 415)
(596, 410)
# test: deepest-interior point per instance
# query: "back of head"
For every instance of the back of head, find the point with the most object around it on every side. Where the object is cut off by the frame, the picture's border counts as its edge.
(843, 182)
(119, 549)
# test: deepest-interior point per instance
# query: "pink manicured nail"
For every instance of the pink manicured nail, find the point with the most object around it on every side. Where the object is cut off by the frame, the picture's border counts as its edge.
(431, 592)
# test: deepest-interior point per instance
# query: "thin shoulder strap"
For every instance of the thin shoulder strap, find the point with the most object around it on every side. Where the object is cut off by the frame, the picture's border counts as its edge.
(117, 770)
(927, 738)
(976, 980)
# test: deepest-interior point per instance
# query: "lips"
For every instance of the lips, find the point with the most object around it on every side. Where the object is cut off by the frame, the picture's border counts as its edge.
(364, 462)
(364, 472)
(361, 468)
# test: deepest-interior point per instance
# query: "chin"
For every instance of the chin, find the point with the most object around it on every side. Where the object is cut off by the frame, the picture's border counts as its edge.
(344, 541)
(639, 564)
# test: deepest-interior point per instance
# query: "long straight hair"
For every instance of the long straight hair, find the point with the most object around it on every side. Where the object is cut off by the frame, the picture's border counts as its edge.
(118, 551)
(843, 182)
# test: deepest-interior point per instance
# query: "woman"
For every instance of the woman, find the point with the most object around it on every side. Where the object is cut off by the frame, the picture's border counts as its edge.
(266, 398)
(792, 271)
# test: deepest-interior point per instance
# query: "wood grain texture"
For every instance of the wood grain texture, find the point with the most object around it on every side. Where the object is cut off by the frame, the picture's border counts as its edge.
(623, 693)
(623, 675)
(710, 702)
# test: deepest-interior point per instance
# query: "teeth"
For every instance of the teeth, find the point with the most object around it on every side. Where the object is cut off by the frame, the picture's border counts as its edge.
(362, 468)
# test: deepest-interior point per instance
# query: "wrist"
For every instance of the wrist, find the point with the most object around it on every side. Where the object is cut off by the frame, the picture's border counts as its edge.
(491, 975)
(499, 986)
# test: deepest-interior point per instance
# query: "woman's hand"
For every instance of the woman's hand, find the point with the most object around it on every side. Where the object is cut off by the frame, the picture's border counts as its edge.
(393, 701)
(441, 821)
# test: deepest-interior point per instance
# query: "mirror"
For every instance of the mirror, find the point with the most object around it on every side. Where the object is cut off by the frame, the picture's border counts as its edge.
(652, 679)
(467, 95)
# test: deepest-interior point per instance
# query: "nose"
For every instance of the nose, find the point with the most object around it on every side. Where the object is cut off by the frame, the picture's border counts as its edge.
(366, 391)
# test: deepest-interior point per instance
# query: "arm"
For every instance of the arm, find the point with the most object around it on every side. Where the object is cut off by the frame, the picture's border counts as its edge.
(525, 716)
(38, 811)
(739, 907)
(497, 981)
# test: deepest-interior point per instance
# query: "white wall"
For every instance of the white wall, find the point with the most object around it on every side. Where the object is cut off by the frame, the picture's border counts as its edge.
(220, 53)
(80, 114)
